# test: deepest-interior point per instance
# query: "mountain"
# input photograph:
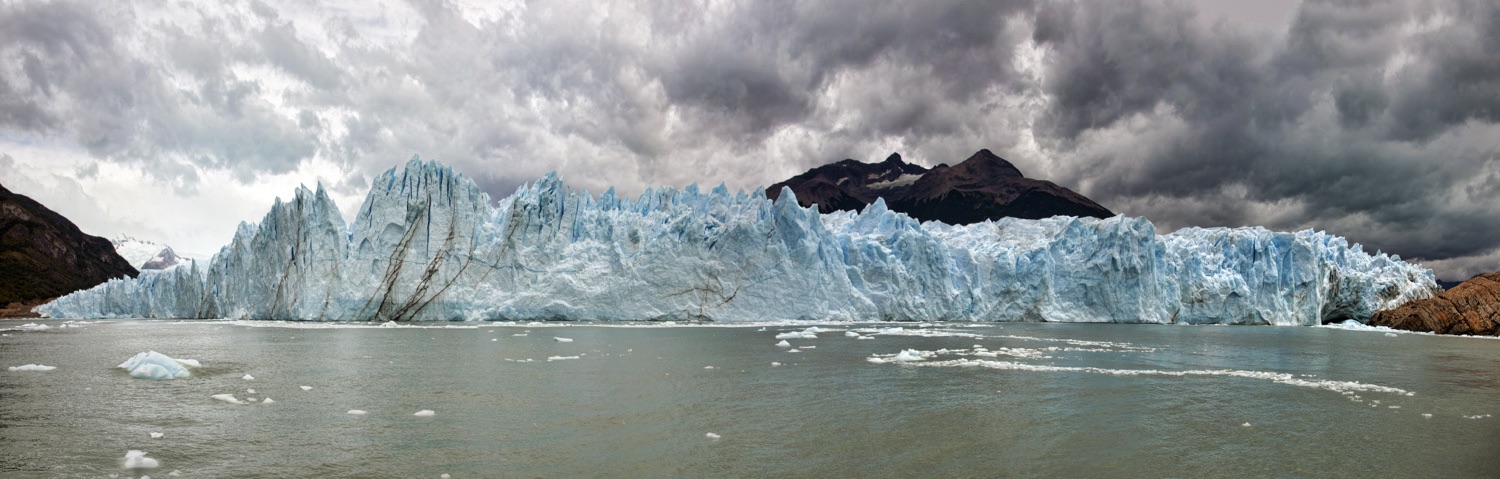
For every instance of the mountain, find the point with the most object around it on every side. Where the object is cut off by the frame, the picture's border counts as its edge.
(1472, 307)
(982, 187)
(43, 255)
(146, 255)
(428, 244)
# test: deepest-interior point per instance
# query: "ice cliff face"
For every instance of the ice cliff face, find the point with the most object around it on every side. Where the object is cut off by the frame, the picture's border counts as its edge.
(427, 244)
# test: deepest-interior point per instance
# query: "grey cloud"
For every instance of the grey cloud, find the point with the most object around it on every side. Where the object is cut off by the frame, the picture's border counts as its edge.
(1374, 120)
(1353, 124)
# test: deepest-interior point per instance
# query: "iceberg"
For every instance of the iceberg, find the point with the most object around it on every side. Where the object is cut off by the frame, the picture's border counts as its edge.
(428, 245)
(154, 365)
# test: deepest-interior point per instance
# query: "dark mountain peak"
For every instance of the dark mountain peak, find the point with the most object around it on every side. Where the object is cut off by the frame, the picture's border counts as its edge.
(43, 255)
(982, 187)
(986, 164)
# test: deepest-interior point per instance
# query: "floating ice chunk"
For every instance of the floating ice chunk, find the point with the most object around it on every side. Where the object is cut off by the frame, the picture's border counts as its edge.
(519, 334)
(1245, 425)
(445, 476)
(192, 363)
(562, 340)
(248, 377)
(876, 360)
(135, 459)
(229, 398)
(268, 401)
(865, 337)
(494, 339)
(851, 334)
(154, 365)
(560, 358)
(305, 388)
(156, 435)
(174, 473)
(712, 436)
(708, 367)
(774, 364)
(1427, 415)
(33, 327)
(356, 412)
(251, 391)
(810, 347)
(794, 350)
(797, 335)
(425, 413)
(784, 344)
(908, 355)
(1392, 335)
(32, 367)
(1395, 407)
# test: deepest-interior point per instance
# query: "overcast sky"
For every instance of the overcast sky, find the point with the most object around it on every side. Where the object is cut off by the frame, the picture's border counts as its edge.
(172, 122)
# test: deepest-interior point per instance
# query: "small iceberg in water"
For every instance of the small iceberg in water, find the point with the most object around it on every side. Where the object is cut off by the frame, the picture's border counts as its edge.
(154, 365)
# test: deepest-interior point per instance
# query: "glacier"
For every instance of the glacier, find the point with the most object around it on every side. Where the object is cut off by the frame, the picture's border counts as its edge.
(428, 245)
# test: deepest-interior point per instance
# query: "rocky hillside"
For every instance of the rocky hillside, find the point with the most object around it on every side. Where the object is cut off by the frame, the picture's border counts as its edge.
(43, 255)
(982, 187)
(1472, 307)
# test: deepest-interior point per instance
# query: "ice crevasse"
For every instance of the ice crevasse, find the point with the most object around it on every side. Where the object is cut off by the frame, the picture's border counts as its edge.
(427, 244)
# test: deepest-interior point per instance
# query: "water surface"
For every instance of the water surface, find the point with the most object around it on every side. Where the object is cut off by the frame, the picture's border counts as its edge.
(1061, 400)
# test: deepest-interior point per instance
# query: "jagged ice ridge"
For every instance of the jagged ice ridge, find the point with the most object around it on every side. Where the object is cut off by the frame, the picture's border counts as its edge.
(428, 245)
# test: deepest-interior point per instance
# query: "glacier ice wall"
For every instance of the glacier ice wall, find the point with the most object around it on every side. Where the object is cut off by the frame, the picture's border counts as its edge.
(427, 244)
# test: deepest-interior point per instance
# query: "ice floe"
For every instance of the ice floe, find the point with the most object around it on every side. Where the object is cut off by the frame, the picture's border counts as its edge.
(32, 367)
(560, 358)
(229, 398)
(562, 340)
(154, 365)
(135, 459)
(425, 413)
(357, 412)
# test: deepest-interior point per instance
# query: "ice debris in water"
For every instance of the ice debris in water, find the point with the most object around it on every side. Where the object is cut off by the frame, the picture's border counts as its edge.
(154, 365)
(774, 364)
(298, 262)
(425, 413)
(1245, 424)
(908, 355)
(711, 436)
(229, 398)
(794, 350)
(562, 340)
(851, 334)
(268, 401)
(156, 435)
(876, 360)
(251, 391)
(305, 388)
(135, 459)
(192, 363)
(1427, 415)
(248, 377)
(797, 335)
(784, 344)
(560, 358)
(32, 367)
(356, 412)
(445, 476)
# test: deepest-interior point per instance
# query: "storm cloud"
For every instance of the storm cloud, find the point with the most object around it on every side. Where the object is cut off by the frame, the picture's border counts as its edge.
(1379, 121)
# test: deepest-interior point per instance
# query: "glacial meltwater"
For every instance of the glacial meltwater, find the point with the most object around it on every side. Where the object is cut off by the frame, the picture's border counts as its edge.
(275, 399)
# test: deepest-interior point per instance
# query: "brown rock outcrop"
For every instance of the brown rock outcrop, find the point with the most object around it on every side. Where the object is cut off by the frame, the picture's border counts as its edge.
(1472, 307)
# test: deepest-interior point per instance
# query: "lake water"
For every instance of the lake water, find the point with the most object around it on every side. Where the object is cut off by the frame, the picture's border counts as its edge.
(1060, 400)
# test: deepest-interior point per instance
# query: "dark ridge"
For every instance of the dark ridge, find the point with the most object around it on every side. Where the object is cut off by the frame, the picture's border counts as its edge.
(43, 255)
(982, 187)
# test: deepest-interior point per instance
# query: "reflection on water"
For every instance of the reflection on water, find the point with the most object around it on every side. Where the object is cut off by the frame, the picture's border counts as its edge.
(982, 400)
